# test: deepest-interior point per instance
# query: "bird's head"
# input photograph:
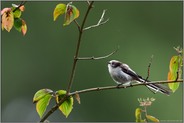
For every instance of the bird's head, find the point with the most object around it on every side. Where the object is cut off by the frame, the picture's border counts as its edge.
(114, 63)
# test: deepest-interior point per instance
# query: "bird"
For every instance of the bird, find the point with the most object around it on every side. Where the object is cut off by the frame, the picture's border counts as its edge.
(122, 74)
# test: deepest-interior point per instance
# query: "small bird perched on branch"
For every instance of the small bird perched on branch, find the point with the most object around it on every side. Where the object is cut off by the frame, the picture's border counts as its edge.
(122, 74)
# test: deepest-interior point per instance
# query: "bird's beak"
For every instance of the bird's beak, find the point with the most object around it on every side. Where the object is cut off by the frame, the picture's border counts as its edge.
(109, 62)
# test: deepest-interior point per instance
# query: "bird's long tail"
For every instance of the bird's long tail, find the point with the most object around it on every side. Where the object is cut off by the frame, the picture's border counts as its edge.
(157, 87)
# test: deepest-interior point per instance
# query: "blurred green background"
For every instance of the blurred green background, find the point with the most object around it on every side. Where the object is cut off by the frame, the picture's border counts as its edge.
(43, 59)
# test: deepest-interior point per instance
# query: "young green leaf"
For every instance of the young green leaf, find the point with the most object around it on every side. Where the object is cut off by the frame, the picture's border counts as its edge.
(42, 99)
(42, 104)
(153, 119)
(67, 106)
(18, 24)
(17, 13)
(71, 14)
(59, 10)
(174, 71)
(40, 94)
(138, 115)
(7, 19)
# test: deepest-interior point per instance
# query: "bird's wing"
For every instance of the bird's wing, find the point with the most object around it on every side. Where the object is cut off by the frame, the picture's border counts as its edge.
(126, 69)
(155, 87)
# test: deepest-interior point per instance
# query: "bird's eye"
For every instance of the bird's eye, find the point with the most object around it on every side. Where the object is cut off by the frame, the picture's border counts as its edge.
(113, 64)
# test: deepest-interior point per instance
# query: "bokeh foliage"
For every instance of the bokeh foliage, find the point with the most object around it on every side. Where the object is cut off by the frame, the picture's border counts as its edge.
(43, 58)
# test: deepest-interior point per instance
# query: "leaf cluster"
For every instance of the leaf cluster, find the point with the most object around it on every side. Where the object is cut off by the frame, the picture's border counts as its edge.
(175, 69)
(12, 17)
(42, 99)
(70, 11)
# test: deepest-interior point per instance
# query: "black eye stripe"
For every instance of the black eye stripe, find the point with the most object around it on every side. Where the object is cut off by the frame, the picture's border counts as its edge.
(115, 64)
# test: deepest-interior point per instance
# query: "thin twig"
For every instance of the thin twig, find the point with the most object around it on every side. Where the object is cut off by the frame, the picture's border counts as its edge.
(178, 70)
(100, 22)
(88, 2)
(149, 68)
(21, 4)
(118, 87)
(97, 58)
(77, 49)
(78, 26)
(179, 51)
(145, 111)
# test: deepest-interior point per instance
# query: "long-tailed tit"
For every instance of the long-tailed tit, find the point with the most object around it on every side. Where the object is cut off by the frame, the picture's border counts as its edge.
(122, 74)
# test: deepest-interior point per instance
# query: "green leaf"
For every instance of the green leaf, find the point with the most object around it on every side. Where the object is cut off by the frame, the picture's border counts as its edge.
(149, 117)
(138, 115)
(42, 104)
(18, 24)
(71, 14)
(17, 13)
(40, 94)
(175, 71)
(42, 99)
(59, 10)
(67, 106)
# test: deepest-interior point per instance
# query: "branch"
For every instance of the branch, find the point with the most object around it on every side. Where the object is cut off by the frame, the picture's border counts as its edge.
(77, 49)
(97, 58)
(118, 87)
(53, 109)
(78, 26)
(21, 4)
(179, 51)
(149, 68)
(100, 22)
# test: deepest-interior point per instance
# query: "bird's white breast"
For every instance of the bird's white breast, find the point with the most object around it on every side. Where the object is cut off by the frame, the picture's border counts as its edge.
(118, 75)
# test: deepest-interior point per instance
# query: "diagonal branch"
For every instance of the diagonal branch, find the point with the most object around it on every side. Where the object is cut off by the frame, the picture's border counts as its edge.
(21, 4)
(97, 58)
(78, 26)
(100, 22)
(53, 109)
